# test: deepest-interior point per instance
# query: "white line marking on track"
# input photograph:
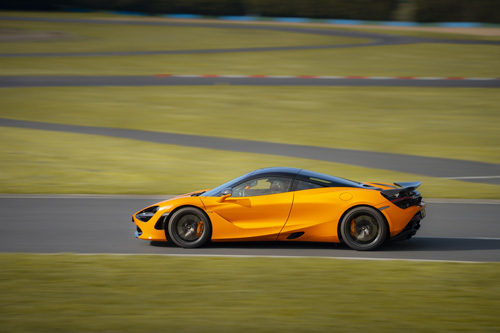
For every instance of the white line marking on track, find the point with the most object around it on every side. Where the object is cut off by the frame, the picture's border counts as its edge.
(249, 256)
(281, 76)
(329, 77)
(186, 75)
(471, 177)
(463, 201)
(430, 78)
(458, 238)
(233, 76)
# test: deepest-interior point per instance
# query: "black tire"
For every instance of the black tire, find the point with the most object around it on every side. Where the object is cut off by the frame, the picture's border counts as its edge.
(189, 227)
(363, 229)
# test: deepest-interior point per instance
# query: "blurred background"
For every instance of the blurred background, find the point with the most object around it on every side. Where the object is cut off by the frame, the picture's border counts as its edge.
(131, 41)
(384, 10)
(117, 38)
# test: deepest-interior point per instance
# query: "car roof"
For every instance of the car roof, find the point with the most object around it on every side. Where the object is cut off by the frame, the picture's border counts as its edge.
(277, 171)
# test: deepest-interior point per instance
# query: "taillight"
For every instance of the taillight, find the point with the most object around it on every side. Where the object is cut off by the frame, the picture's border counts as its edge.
(403, 199)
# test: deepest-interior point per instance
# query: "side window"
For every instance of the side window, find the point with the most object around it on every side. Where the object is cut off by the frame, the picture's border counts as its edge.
(304, 185)
(262, 186)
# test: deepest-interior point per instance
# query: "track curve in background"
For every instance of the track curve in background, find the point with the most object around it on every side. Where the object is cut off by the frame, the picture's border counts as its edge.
(374, 39)
(420, 165)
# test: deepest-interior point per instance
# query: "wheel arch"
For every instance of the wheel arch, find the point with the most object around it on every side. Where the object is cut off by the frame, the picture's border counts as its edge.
(339, 224)
(171, 213)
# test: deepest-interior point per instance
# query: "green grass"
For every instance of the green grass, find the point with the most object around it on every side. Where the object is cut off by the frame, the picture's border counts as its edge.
(62, 14)
(424, 60)
(61, 293)
(441, 122)
(45, 162)
(453, 123)
(398, 60)
(422, 32)
(84, 37)
(427, 32)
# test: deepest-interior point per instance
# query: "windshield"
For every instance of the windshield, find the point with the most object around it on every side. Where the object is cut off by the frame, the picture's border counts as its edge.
(215, 192)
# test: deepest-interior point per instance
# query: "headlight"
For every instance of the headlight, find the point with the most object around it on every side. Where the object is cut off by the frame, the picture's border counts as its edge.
(146, 214)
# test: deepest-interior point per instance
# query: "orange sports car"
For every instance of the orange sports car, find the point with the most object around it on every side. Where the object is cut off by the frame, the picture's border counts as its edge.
(287, 204)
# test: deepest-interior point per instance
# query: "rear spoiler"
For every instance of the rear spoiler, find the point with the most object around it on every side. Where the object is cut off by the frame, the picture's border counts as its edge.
(405, 188)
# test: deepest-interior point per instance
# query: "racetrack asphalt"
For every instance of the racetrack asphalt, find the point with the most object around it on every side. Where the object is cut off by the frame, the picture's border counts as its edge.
(180, 80)
(452, 231)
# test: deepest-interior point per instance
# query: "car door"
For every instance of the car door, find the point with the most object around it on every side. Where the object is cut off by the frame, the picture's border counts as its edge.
(257, 209)
(315, 213)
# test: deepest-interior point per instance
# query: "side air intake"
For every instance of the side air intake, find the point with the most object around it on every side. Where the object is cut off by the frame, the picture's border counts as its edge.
(295, 235)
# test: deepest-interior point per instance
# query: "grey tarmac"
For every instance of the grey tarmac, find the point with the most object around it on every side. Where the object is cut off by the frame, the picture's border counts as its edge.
(102, 224)
(152, 80)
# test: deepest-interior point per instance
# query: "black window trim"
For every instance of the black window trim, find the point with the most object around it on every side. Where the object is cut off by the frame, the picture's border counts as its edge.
(296, 181)
(261, 176)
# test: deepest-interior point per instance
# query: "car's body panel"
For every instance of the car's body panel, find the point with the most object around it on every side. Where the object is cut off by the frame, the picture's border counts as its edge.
(319, 211)
(259, 216)
(148, 229)
(398, 218)
(248, 213)
(316, 213)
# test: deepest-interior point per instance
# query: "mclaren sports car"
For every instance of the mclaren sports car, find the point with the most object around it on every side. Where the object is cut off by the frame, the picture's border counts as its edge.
(287, 204)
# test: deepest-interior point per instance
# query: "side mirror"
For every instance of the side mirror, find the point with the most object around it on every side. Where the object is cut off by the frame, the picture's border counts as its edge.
(226, 193)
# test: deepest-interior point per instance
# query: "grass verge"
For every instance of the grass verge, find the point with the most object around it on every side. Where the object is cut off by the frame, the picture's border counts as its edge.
(423, 31)
(453, 123)
(61, 293)
(420, 60)
(430, 32)
(441, 122)
(431, 59)
(99, 37)
(49, 162)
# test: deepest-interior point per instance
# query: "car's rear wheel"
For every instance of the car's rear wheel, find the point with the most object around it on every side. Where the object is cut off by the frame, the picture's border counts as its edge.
(363, 229)
(189, 227)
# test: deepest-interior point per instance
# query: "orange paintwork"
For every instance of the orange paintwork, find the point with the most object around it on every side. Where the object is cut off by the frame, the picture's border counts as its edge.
(315, 212)
(148, 228)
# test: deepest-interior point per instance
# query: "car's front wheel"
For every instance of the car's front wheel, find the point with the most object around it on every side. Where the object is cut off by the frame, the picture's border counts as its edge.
(189, 227)
(363, 229)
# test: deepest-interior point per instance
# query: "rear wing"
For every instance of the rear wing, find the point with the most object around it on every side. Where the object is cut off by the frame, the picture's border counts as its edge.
(405, 189)
(405, 196)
